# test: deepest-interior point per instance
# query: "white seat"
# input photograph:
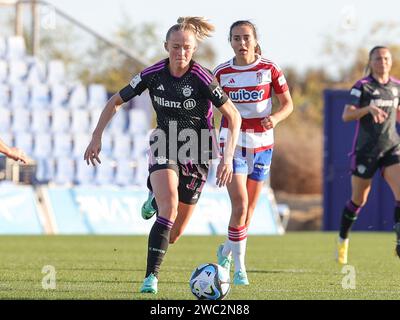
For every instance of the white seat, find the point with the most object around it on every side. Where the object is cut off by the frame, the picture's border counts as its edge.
(141, 171)
(138, 121)
(58, 95)
(62, 146)
(17, 71)
(15, 47)
(97, 96)
(24, 141)
(3, 47)
(39, 96)
(78, 97)
(119, 122)
(140, 145)
(65, 170)
(19, 96)
(3, 71)
(60, 120)
(5, 119)
(45, 171)
(7, 137)
(42, 146)
(36, 72)
(122, 146)
(21, 120)
(80, 120)
(4, 95)
(105, 172)
(84, 173)
(107, 145)
(40, 120)
(55, 72)
(94, 117)
(80, 143)
(124, 174)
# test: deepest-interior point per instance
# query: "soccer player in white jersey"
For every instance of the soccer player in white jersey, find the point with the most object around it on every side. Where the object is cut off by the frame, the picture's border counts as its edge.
(249, 79)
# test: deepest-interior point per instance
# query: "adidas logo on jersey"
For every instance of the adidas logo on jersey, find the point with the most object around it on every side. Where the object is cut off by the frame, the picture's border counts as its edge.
(376, 92)
(160, 87)
(232, 81)
(244, 95)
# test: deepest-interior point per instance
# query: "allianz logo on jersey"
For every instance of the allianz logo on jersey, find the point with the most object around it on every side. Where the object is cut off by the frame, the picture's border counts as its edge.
(385, 103)
(244, 95)
(188, 104)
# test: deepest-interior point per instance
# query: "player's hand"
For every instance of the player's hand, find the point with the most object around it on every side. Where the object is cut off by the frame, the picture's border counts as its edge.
(378, 115)
(18, 155)
(224, 173)
(269, 122)
(92, 151)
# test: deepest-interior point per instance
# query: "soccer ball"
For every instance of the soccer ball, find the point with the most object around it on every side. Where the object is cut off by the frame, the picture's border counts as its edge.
(209, 282)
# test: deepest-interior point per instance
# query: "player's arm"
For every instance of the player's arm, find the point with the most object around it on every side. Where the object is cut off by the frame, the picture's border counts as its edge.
(225, 169)
(352, 112)
(94, 147)
(285, 109)
(12, 152)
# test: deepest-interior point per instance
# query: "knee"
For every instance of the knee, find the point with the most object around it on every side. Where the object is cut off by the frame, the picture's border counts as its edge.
(239, 207)
(168, 209)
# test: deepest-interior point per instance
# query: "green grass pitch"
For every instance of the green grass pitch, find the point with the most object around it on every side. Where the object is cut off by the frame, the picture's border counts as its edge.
(294, 266)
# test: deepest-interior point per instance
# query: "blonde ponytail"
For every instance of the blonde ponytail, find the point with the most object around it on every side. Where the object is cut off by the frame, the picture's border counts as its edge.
(198, 25)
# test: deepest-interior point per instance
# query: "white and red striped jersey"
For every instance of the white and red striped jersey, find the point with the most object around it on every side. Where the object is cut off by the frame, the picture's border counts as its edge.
(250, 89)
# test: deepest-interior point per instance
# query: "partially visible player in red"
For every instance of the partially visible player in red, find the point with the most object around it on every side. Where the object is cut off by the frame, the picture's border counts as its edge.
(13, 152)
(249, 80)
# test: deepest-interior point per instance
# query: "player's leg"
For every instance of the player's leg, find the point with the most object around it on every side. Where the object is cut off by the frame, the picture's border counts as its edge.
(360, 189)
(165, 187)
(237, 230)
(392, 177)
(256, 179)
(185, 212)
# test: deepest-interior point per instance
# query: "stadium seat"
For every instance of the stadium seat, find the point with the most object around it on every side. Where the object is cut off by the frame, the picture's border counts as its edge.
(65, 170)
(4, 95)
(17, 71)
(84, 173)
(122, 146)
(7, 137)
(97, 96)
(80, 120)
(124, 174)
(40, 120)
(21, 119)
(118, 123)
(80, 143)
(5, 119)
(78, 97)
(107, 145)
(45, 169)
(138, 121)
(141, 172)
(55, 72)
(42, 145)
(105, 172)
(62, 146)
(140, 145)
(58, 95)
(15, 47)
(3, 71)
(94, 117)
(60, 120)
(24, 141)
(36, 72)
(3, 48)
(39, 96)
(19, 96)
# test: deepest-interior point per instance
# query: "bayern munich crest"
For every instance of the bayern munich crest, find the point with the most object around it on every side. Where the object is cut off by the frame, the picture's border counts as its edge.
(187, 91)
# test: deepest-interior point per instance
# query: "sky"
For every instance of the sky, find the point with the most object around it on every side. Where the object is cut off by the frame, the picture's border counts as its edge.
(291, 33)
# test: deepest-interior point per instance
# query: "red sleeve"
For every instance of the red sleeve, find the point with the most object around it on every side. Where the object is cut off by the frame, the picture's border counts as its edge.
(278, 80)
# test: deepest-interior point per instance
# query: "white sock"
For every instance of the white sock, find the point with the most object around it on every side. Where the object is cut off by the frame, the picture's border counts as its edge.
(237, 243)
(226, 251)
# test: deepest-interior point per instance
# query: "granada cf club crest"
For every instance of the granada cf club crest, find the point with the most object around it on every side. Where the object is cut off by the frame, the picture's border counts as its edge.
(259, 76)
